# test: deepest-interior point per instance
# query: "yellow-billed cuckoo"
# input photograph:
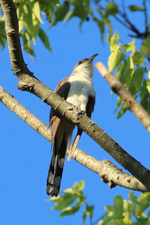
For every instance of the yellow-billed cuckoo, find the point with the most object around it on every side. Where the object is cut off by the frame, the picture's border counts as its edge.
(78, 90)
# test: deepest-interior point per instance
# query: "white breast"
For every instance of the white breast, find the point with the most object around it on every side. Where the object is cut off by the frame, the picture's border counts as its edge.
(80, 90)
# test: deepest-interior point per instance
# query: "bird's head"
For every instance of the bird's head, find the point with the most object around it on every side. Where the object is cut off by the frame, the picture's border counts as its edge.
(85, 66)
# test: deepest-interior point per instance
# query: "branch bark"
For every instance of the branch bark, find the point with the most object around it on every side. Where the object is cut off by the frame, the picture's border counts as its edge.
(27, 82)
(108, 172)
(125, 95)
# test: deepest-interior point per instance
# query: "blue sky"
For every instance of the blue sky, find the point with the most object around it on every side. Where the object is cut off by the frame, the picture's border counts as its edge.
(25, 155)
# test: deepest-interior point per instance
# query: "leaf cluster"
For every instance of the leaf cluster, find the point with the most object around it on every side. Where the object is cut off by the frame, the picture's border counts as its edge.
(71, 202)
(30, 20)
(128, 212)
(122, 212)
(31, 15)
(131, 71)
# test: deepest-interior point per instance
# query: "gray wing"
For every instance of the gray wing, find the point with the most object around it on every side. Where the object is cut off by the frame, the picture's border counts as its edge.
(62, 90)
(90, 106)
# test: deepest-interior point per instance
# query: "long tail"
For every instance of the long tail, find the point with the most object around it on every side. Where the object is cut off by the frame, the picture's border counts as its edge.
(62, 140)
(56, 169)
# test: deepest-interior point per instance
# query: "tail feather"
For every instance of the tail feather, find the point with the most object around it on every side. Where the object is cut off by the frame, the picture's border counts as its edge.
(56, 168)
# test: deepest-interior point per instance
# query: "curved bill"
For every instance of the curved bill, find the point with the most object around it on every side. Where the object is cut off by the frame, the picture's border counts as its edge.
(93, 57)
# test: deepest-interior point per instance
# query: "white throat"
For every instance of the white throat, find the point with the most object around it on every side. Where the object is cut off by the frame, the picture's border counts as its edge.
(81, 86)
(85, 70)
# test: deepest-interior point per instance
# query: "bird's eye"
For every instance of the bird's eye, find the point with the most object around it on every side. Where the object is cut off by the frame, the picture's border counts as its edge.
(79, 62)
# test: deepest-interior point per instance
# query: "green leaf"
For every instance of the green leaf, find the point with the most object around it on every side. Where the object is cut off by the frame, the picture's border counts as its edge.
(56, 199)
(142, 221)
(36, 28)
(133, 209)
(122, 111)
(84, 217)
(118, 206)
(48, 7)
(132, 197)
(68, 191)
(108, 23)
(109, 208)
(3, 38)
(130, 46)
(66, 201)
(148, 83)
(111, 8)
(132, 89)
(138, 58)
(148, 215)
(114, 215)
(120, 72)
(60, 12)
(75, 186)
(27, 43)
(80, 9)
(135, 8)
(81, 198)
(88, 212)
(112, 39)
(27, 16)
(119, 102)
(127, 73)
(143, 203)
(21, 25)
(36, 10)
(131, 62)
(20, 14)
(105, 20)
(50, 12)
(81, 185)
(100, 24)
(129, 76)
(145, 98)
(115, 58)
(70, 211)
(126, 212)
(70, 196)
(145, 48)
(44, 39)
(138, 77)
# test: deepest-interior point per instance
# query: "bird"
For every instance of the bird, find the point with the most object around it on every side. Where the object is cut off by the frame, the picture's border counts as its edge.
(78, 90)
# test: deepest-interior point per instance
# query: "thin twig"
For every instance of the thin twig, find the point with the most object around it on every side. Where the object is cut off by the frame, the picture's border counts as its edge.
(125, 17)
(123, 23)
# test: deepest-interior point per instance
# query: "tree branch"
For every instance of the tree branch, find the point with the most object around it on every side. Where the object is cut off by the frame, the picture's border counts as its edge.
(9, 101)
(132, 26)
(108, 172)
(28, 82)
(125, 95)
(11, 25)
(128, 24)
